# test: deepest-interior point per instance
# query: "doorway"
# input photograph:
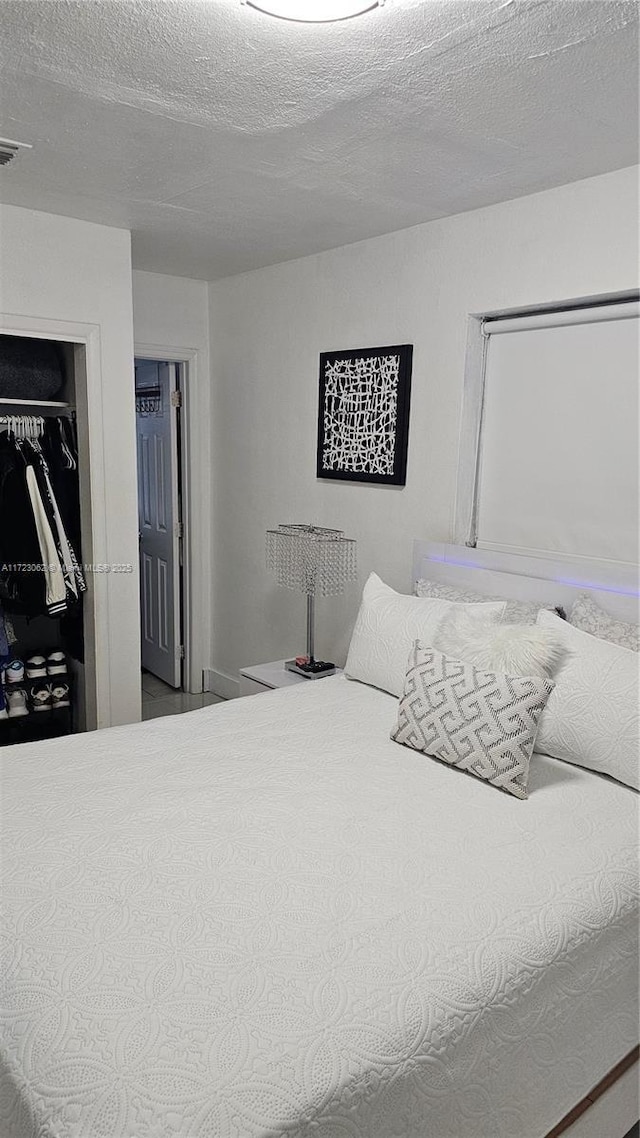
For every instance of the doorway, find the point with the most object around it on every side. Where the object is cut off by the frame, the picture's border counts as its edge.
(158, 394)
(184, 476)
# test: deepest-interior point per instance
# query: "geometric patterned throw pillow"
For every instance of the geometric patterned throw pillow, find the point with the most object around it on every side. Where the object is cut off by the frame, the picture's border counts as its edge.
(483, 722)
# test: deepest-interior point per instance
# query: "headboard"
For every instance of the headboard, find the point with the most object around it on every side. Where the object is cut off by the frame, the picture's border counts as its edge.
(524, 577)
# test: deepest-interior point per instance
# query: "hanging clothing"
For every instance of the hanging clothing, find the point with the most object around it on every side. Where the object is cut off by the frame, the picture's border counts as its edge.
(60, 449)
(4, 639)
(22, 589)
(39, 567)
(55, 585)
(9, 630)
(74, 577)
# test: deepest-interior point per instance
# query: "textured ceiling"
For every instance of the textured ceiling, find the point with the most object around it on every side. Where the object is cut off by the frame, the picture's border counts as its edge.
(226, 140)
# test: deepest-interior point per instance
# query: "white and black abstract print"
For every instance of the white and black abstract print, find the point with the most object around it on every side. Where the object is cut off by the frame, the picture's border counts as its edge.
(363, 414)
(360, 414)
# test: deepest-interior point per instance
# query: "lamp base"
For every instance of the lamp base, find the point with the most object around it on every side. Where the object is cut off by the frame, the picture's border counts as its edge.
(313, 671)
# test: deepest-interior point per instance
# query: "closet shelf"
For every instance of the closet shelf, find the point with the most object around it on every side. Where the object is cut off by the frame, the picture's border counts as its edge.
(32, 403)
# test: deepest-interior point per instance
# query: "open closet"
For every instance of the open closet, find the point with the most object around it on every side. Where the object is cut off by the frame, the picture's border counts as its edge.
(46, 608)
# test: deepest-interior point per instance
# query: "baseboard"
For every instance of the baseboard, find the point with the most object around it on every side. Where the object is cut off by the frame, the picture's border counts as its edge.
(228, 687)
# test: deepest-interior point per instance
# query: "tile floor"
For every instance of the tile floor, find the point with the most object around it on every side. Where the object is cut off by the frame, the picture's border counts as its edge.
(159, 699)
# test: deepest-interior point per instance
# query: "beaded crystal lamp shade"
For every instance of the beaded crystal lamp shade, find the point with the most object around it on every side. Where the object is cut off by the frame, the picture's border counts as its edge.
(317, 562)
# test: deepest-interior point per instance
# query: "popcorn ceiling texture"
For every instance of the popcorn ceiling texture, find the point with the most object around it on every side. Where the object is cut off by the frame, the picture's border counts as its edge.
(227, 140)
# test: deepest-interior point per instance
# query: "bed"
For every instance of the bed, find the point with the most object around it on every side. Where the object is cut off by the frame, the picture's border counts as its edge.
(266, 918)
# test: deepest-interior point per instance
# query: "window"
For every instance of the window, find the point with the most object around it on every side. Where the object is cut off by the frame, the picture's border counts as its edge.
(549, 448)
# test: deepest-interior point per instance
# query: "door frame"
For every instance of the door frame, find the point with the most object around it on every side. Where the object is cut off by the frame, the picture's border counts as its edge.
(196, 600)
(160, 532)
(99, 662)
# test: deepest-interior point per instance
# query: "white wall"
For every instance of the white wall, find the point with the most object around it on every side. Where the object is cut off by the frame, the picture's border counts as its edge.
(170, 312)
(416, 286)
(171, 315)
(55, 271)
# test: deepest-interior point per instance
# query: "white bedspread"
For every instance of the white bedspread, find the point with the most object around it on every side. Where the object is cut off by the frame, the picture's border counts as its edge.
(265, 918)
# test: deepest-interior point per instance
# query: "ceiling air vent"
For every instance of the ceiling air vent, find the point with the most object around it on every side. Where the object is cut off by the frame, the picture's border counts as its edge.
(9, 149)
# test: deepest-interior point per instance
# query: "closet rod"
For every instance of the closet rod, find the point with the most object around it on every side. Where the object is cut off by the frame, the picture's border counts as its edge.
(4, 419)
(61, 404)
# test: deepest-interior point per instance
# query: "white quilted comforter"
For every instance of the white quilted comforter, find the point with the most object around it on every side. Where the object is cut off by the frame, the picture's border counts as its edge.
(265, 918)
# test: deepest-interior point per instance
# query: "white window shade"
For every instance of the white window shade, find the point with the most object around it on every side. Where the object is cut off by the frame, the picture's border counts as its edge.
(558, 463)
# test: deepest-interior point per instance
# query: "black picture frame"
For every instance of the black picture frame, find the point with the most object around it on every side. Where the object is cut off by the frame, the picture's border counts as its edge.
(356, 384)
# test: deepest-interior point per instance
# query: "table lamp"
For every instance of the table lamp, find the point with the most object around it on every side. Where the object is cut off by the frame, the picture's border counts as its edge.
(317, 562)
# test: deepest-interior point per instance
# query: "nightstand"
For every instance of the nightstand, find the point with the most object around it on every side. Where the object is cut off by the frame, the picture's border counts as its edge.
(265, 677)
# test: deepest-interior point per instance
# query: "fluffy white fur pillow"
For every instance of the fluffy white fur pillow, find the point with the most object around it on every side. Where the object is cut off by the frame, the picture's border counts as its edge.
(513, 649)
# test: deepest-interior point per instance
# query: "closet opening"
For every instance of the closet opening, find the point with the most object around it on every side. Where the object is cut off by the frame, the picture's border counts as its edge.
(159, 389)
(47, 635)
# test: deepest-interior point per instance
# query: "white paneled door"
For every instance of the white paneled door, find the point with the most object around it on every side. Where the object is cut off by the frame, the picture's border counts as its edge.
(159, 520)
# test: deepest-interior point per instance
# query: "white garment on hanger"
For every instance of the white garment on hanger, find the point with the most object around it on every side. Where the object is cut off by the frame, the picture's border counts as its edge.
(67, 558)
(56, 591)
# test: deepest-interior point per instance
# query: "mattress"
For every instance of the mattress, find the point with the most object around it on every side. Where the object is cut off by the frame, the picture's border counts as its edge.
(265, 918)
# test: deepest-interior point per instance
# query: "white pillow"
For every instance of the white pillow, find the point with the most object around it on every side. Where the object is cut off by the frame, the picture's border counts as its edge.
(591, 718)
(388, 623)
(588, 616)
(515, 649)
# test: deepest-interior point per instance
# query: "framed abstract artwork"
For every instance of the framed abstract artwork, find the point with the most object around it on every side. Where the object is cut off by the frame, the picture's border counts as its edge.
(363, 414)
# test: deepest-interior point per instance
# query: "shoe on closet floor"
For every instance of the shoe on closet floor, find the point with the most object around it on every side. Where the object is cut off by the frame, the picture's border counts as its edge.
(17, 703)
(14, 672)
(41, 697)
(36, 667)
(60, 696)
(56, 664)
(3, 707)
